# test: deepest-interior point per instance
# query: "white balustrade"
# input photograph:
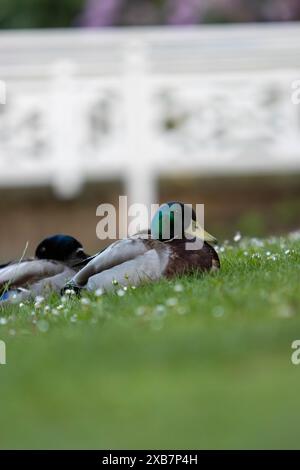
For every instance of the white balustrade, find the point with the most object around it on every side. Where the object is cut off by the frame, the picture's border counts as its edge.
(138, 103)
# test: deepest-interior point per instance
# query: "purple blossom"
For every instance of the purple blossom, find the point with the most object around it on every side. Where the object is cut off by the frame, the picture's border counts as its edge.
(184, 12)
(101, 13)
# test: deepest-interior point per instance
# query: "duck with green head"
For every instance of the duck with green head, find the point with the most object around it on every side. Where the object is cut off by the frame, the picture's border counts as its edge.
(175, 245)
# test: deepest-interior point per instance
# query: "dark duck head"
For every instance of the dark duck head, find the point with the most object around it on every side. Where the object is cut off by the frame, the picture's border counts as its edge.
(175, 220)
(62, 248)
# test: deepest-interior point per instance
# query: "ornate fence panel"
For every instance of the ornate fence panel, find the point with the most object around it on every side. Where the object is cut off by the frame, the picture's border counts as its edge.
(138, 103)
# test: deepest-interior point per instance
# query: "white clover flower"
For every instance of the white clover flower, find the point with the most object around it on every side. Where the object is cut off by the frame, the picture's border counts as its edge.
(99, 292)
(120, 292)
(237, 237)
(3, 321)
(70, 292)
(178, 288)
(140, 311)
(171, 302)
(160, 309)
(85, 301)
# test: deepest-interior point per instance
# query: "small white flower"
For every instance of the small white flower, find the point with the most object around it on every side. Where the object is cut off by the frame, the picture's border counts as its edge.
(140, 311)
(60, 307)
(85, 301)
(178, 288)
(287, 252)
(55, 312)
(3, 321)
(120, 292)
(237, 237)
(160, 309)
(70, 292)
(21, 304)
(171, 302)
(268, 253)
(99, 292)
(46, 308)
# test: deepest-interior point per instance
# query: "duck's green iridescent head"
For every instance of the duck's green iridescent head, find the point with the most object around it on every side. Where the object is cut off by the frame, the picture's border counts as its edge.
(177, 220)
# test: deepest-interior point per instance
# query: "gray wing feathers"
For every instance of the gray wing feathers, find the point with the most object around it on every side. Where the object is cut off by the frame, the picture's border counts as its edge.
(146, 267)
(116, 254)
(52, 283)
(28, 271)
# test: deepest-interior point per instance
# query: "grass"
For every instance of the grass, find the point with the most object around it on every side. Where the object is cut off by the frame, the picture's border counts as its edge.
(201, 362)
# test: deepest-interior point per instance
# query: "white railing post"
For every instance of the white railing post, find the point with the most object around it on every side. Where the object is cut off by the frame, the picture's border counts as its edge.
(140, 175)
(66, 133)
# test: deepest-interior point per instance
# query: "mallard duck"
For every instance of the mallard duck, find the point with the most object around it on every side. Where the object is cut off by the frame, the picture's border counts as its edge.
(52, 265)
(152, 255)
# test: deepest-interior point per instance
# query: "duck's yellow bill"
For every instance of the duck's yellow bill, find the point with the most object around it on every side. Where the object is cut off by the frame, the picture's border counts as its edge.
(195, 230)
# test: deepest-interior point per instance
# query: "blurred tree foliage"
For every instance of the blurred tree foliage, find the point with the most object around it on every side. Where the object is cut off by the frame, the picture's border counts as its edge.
(39, 13)
(99, 13)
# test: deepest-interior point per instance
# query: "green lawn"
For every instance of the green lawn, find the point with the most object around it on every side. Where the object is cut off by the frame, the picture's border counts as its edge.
(194, 363)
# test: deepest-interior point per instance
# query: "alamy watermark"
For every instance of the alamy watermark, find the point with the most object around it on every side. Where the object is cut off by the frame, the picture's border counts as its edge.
(186, 222)
(295, 96)
(295, 357)
(2, 92)
(2, 353)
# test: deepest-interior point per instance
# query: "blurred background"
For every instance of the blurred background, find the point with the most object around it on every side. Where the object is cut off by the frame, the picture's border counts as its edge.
(156, 99)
